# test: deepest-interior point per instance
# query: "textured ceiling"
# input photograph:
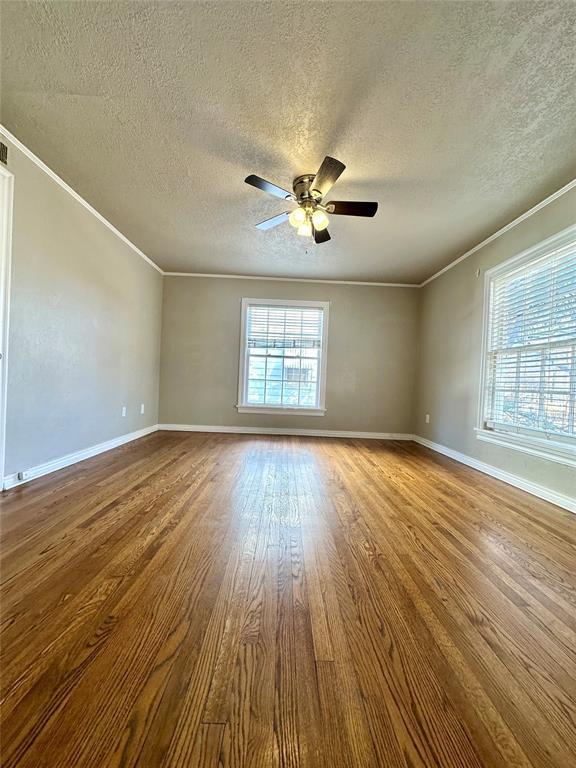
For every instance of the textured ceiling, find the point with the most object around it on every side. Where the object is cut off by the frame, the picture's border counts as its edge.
(456, 117)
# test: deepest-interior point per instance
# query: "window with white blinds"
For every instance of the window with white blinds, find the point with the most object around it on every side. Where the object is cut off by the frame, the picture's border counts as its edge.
(530, 349)
(283, 355)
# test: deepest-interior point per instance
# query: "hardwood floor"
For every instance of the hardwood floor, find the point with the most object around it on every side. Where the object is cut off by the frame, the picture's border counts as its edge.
(216, 600)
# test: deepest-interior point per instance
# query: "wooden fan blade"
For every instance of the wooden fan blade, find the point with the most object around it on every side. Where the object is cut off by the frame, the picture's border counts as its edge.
(274, 221)
(350, 208)
(321, 235)
(327, 175)
(267, 186)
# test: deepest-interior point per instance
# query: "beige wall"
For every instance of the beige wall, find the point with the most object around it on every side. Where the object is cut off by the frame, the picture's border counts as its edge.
(87, 315)
(450, 333)
(84, 326)
(371, 354)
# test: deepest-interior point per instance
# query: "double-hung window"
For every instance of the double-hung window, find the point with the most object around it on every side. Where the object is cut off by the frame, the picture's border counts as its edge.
(529, 360)
(283, 356)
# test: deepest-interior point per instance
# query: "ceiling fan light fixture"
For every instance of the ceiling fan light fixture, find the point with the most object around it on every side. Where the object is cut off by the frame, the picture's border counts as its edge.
(320, 220)
(298, 217)
(305, 229)
(310, 218)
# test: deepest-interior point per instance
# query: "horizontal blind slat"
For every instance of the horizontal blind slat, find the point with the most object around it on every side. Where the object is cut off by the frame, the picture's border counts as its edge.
(284, 347)
(530, 374)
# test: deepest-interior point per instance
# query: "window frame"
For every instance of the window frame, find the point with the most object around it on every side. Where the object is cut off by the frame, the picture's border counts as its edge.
(242, 406)
(550, 446)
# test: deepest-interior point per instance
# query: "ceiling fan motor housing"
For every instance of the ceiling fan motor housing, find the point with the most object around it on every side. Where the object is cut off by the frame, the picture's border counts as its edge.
(303, 191)
(306, 196)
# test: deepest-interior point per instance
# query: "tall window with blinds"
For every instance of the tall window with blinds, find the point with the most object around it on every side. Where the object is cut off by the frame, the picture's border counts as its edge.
(283, 356)
(530, 348)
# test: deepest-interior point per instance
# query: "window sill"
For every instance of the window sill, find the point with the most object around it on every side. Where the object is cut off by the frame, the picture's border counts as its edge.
(542, 447)
(281, 410)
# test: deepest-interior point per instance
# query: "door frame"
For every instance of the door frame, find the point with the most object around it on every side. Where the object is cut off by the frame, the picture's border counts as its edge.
(6, 209)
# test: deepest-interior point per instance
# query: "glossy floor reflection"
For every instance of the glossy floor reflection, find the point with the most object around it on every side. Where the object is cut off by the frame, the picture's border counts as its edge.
(217, 600)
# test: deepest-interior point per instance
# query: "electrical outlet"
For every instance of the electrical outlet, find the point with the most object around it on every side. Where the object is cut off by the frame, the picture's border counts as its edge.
(141, 407)
(427, 418)
(24, 475)
(123, 410)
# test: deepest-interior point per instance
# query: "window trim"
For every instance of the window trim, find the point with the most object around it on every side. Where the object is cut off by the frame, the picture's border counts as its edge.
(551, 446)
(242, 406)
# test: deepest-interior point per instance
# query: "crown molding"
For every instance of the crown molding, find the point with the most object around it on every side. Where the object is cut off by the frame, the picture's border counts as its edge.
(292, 279)
(503, 230)
(54, 176)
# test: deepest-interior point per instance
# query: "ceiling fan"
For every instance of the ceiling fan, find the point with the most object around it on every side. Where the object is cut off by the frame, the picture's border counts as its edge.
(310, 217)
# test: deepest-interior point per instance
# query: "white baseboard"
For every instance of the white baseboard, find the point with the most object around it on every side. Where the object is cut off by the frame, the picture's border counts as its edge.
(32, 473)
(10, 481)
(284, 431)
(566, 502)
(561, 500)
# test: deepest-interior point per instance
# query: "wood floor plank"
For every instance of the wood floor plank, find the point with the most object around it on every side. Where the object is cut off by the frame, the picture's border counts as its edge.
(358, 746)
(207, 752)
(219, 601)
(75, 621)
